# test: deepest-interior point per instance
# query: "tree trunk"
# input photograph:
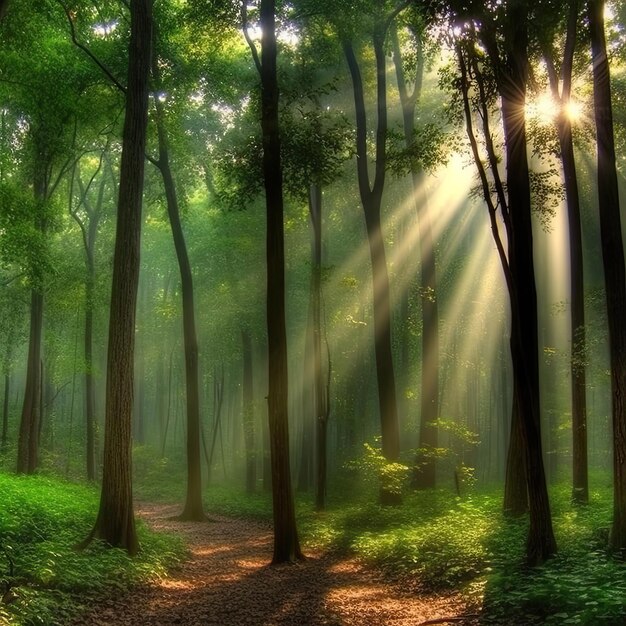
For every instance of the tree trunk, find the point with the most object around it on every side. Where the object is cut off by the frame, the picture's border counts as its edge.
(580, 486)
(28, 443)
(5, 410)
(613, 261)
(371, 199)
(286, 544)
(248, 412)
(515, 489)
(319, 390)
(193, 509)
(524, 325)
(115, 522)
(424, 475)
(90, 390)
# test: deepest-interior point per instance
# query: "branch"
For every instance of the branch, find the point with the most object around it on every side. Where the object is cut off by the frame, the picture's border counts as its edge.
(392, 16)
(481, 170)
(88, 52)
(244, 23)
(49, 403)
(570, 44)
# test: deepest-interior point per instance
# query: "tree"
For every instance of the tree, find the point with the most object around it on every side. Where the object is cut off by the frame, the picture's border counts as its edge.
(51, 117)
(286, 543)
(613, 262)
(371, 200)
(424, 476)
(506, 44)
(193, 509)
(115, 522)
(562, 95)
(88, 221)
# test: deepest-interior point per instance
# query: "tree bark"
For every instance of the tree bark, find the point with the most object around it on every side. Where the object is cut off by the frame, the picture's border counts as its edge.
(115, 522)
(371, 199)
(193, 509)
(5, 410)
(319, 387)
(524, 326)
(286, 544)
(248, 412)
(613, 261)
(580, 486)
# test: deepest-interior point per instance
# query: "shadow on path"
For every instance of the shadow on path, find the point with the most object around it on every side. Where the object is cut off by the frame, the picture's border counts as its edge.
(228, 582)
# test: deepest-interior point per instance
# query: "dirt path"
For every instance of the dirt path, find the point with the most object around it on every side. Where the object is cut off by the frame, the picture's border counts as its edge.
(228, 582)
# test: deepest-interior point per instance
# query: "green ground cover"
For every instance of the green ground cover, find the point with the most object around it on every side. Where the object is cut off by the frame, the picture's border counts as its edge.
(438, 541)
(41, 520)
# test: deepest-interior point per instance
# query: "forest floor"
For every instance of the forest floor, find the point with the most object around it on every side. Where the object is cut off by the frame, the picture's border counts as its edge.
(227, 582)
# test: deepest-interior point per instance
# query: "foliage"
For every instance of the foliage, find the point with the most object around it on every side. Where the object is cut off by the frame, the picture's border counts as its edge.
(437, 541)
(41, 521)
(377, 470)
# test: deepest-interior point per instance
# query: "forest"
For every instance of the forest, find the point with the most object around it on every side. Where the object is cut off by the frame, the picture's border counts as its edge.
(312, 312)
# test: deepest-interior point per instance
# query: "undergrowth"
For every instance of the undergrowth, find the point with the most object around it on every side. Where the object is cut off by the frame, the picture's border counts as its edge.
(438, 541)
(41, 520)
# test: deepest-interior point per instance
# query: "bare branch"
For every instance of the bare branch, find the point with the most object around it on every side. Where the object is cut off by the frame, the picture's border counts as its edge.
(87, 51)
(244, 25)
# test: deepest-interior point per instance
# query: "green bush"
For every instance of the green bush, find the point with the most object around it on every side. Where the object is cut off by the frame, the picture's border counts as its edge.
(41, 520)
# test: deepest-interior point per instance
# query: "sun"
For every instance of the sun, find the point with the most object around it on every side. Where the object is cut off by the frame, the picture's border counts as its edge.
(545, 109)
(573, 110)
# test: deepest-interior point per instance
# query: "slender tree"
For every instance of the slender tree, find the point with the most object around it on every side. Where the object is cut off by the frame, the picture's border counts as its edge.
(286, 543)
(507, 58)
(371, 200)
(88, 221)
(561, 88)
(193, 509)
(424, 476)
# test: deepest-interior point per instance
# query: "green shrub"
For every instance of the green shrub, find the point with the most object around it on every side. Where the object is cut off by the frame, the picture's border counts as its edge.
(41, 520)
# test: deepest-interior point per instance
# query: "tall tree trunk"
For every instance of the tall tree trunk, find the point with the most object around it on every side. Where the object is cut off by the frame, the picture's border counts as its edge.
(248, 412)
(5, 410)
(515, 490)
(613, 261)
(115, 522)
(90, 390)
(524, 326)
(424, 475)
(286, 544)
(305, 469)
(89, 231)
(371, 199)
(193, 509)
(28, 443)
(580, 487)
(319, 388)
(514, 202)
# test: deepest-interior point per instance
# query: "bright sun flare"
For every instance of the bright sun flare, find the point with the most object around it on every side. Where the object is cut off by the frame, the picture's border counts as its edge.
(545, 109)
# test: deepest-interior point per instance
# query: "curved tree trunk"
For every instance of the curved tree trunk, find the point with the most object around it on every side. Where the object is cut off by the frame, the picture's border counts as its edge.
(116, 522)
